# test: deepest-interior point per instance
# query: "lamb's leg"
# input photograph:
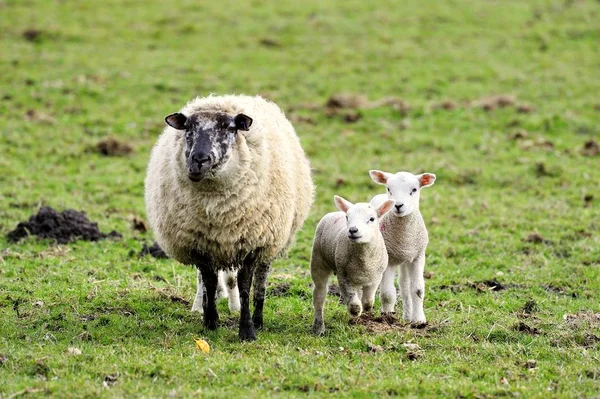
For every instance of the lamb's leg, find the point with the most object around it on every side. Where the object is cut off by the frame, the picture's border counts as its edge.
(388, 290)
(198, 300)
(368, 296)
(233, 294)
(351, 297)
(405, 284)
(320, 276)
(211, 316)
(417, 289)
(260, 286)
(221, 288)
(246, 332)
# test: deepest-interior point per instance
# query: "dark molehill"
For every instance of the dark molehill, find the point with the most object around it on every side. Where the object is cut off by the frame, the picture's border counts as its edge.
(64, 227)
(113, 147)
(280, 289)
(154, 250)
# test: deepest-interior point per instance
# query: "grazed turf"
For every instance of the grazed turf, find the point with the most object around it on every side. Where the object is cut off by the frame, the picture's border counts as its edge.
(74, 74)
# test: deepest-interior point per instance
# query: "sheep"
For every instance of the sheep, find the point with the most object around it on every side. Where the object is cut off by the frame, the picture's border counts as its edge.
(406, 240)
(226, 288)
(354, 251)
(228, 186)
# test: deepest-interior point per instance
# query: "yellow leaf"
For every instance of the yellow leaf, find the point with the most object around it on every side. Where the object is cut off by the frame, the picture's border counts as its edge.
(202, 345)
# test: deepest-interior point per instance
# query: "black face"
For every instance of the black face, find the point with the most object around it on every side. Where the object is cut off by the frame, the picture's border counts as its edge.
(209, 138)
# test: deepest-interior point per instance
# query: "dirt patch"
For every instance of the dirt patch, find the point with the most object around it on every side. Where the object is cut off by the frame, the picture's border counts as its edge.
(113, 147)
(488, 285)
(524, 328)
(270, 42)
(525, 108)
(587, 200)
(447, 105)
(539, 143)
(347, 100)
(139, 225)
(591, 318)
(530, 307)
(39, 116)
(537, 238)
(556, 289)
(490, 103)
(590, 148)
(520, 135)
(154, 250)
(280, 289)
(379, 324)
(170, 294)
(32, 35)
(63, 227)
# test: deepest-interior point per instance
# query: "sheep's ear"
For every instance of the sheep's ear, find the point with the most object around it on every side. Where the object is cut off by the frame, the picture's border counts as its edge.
(379, 177)
(426, 179)
(176, 120)
(342, 204)
(242, 122)
(385, 207)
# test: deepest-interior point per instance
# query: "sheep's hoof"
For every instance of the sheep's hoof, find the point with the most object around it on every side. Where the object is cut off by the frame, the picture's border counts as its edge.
(318, 328)
(247, 334)
(354, 309)
(257, 321)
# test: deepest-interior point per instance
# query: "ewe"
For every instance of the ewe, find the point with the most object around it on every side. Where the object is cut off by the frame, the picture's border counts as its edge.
(227, 188)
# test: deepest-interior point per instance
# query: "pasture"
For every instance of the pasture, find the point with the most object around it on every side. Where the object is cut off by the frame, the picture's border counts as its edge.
(500, 99)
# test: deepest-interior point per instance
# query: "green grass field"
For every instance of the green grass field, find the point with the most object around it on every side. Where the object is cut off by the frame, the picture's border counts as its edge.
(73, 73)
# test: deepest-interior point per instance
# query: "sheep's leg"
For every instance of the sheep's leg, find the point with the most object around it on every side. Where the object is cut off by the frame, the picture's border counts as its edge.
(417, 289)
(246, 332)
(388, 290)
(211, 316)
(198, 300)
(351, 296)
(221, 288)
(233, 294)
(405, 291)
(320, 276)
(368, 296)
(260, 286)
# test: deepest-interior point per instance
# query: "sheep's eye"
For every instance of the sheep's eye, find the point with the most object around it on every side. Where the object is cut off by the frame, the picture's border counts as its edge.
(388, 190)
(231, 129)
(414, 190)
(372, 220)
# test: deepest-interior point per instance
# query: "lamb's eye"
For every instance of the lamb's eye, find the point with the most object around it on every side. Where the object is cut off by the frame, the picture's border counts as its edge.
(414, 190)
(372, 220)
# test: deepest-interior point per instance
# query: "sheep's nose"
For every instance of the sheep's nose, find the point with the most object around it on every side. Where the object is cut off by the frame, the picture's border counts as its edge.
(201, 158)
(398, 207)
(353, 230)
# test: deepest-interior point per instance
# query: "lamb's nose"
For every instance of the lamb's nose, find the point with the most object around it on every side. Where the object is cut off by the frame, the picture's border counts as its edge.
(398, 207)
(353, 230)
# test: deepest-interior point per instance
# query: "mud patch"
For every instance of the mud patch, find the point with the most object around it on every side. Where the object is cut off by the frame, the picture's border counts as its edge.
(170, 294)
(447, 105)
(347, 100)
(113, 147)
(154, 250)
(139, 225)
(590, 318)
(590, 148)
(379, 324)
(537, 238)
(280, 289)
(490, 103)
(524, 328)
(488, 285)
(525, 108)
(587, 200)
(63, 227)
(32, 35)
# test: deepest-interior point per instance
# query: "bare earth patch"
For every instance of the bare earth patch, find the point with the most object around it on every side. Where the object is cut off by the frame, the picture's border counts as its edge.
(113, 147)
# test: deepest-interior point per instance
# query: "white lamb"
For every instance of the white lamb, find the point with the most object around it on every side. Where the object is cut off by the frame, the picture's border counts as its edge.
(406, 240)
(349, 244)
(226, 288)
(227, 188)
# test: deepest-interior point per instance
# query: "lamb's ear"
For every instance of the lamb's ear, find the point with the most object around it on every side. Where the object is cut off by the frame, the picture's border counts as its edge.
(342, 204)
(242, 122)
(176, 120)
(426, 179)
(385, 207)
(379, 177)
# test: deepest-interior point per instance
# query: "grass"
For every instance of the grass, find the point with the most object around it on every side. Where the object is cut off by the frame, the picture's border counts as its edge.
(74, 73)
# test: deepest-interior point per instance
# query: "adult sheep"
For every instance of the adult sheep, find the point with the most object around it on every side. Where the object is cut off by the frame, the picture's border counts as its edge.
(227, 187)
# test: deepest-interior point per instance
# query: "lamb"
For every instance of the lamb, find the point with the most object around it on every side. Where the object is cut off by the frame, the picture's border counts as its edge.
(227, 188)
(354, 250)
(406, 240)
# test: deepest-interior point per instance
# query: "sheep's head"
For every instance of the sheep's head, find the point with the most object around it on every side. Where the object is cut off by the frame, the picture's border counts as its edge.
(209, 138)
(362, 220)
(404, 187)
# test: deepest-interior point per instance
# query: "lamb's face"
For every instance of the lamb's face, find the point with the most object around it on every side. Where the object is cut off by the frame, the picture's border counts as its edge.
(362, 220)
(209, 138)
(404, 188)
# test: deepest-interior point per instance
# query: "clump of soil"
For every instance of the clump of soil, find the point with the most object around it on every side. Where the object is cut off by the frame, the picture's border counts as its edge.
(590, 148)
(346, 100)
(525, 108)
(448, 105)
(537, 238)
(488, 285)
(139, 225)
(378, 324)
(490, 103)
(32, 35)
(113, 147)
(64, 227)
(154, 250)
(524, 328)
